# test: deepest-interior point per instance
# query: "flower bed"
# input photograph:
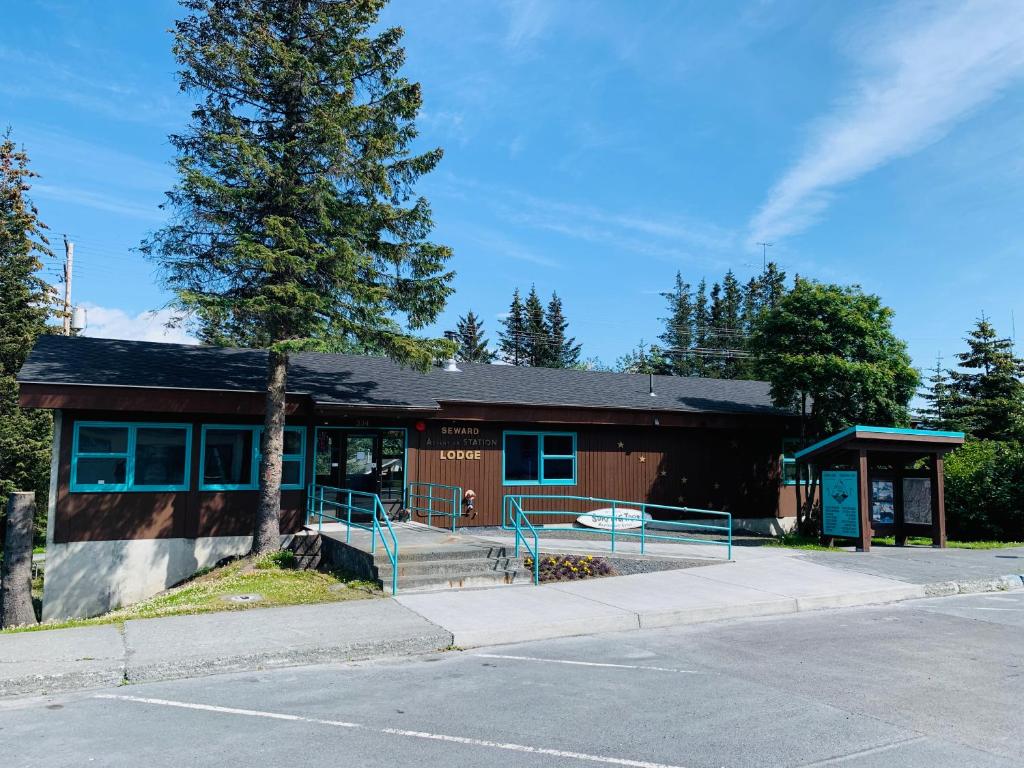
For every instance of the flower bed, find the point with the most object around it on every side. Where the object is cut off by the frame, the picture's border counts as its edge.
(571, 567)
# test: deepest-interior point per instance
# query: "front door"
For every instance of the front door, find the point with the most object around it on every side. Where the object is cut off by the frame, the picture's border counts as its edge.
(370, 461)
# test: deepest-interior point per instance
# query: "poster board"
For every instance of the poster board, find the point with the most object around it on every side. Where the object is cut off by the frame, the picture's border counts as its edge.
(883, 502)
(840, 511)
(917, 501)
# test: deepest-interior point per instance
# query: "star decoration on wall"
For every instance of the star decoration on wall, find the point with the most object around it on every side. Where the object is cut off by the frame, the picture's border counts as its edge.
(643, 459)
(680, 499)
(621, 444)
(684, 481)
(716, 486)
(663, 473)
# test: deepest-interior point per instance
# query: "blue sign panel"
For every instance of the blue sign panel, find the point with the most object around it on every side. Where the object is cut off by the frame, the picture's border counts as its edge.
(840, 510)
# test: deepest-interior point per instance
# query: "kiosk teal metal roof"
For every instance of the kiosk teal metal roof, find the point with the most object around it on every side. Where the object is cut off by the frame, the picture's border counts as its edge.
(928, 439)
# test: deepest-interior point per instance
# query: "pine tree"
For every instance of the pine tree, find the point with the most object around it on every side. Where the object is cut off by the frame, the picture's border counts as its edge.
(512, 340)
(988, 395)
(701, 329)
(731, 336)
(564, 352)
(537, 336)
(773, 287)
(678, 335)
(295, 223)
(644, 358)
(938, 413)
(25, 436)
(714, 367)
(469, 335)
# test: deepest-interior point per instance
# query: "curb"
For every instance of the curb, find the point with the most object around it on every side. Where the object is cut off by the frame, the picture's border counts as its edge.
(999, 584)
(124, 670)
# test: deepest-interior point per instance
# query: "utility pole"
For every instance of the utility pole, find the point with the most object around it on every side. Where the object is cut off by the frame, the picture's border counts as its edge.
(764, 255)
(69, 258)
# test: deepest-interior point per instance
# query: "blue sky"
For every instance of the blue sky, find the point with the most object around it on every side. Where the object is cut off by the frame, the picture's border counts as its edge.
(594, 147)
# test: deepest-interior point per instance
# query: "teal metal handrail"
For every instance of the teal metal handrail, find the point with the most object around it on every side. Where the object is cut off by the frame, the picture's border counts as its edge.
(520, 518)
(513, 516)
(417, 494)
(320, 506)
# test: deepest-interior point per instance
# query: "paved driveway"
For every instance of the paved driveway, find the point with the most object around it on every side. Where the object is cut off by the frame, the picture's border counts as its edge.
(929, 684)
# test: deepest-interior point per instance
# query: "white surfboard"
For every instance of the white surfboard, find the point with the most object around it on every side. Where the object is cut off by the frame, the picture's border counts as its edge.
(625, 518)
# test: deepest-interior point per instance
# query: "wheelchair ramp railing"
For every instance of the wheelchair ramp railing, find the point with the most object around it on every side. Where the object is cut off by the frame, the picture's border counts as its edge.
(430, 500)
(338, 505)
(530, 515)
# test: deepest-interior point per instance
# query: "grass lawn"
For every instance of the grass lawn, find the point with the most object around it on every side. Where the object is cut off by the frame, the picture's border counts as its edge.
(206, 592)
(799, 541)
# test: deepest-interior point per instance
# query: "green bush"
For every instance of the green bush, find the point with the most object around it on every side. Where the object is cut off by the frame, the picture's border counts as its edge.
(284, 559)
(985, 491)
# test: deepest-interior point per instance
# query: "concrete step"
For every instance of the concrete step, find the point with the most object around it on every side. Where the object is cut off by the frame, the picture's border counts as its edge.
(448, 568)
(380, 557)
(432, 583)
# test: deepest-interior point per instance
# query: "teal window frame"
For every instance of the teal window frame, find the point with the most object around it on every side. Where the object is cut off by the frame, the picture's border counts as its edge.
(129, 485)
(790, 447)
(254, 469)
(541, 458)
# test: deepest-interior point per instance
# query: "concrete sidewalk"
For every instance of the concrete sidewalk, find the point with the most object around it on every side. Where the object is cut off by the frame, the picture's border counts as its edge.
(762, 581)
(230, 641)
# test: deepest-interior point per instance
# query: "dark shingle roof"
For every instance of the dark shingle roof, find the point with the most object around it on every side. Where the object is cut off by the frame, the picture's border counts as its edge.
(373, 381)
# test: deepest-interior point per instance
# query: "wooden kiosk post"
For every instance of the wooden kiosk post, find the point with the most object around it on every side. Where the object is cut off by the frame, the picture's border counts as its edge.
(881, 466)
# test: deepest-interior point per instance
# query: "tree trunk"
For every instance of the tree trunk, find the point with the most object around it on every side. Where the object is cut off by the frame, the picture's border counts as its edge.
(267, 537)
(16, 594)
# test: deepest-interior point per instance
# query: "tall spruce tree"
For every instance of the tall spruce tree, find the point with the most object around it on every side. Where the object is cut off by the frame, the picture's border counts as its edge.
(25, 436)
(701, 329)
(773, 286)
(938, 411)
(678, 336)
(295, 223)
(731, 338)
(987, 394)
(563, 351)
(512, 337)
(537, 335)
(469, 335)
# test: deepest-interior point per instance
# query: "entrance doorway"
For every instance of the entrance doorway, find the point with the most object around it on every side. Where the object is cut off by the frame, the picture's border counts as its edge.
(367, 460)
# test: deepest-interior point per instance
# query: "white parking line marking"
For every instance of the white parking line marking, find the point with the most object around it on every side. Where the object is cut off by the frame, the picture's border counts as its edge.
(391, 731)
(587, 663)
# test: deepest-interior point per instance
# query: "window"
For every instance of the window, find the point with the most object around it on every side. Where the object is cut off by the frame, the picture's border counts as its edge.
(539, 458)
(790, 446)
(114, 457)
(231, 458)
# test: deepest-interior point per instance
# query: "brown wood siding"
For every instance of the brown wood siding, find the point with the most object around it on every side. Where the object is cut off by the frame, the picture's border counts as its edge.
(731, 470)
(162, 515)
(718, 462)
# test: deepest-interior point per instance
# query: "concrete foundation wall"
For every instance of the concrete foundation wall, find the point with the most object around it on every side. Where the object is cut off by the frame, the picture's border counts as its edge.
(92, 577)
(764, 526)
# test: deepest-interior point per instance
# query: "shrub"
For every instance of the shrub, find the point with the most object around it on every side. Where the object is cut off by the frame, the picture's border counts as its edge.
(571, 567)
(985, 491)
(283, 559)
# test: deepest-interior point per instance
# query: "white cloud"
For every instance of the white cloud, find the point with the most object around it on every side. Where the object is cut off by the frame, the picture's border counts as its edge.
(527, 20)
(113, 323)
(923, 69)
(99, 201)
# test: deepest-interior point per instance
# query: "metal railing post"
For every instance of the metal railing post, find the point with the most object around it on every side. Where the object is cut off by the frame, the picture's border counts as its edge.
(348, 524)
(456, 506)
(643, 527)
(614, 515)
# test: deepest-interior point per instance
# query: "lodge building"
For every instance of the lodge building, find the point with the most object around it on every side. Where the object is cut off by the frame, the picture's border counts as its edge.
(156, 449)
